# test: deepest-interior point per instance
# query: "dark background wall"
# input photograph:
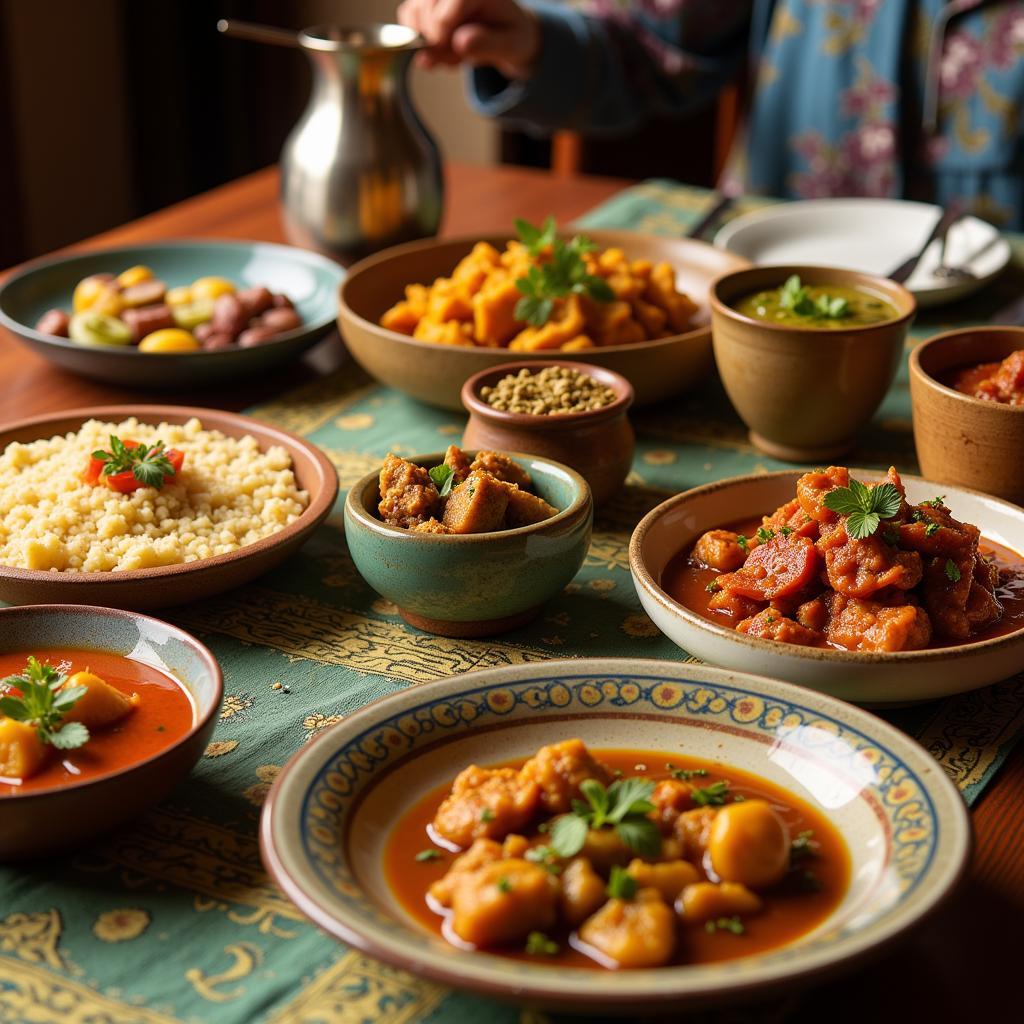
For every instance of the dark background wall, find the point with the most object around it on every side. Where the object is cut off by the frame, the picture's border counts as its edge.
(112, 108)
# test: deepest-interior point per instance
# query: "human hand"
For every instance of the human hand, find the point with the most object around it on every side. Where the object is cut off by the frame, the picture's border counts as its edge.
(499, 33)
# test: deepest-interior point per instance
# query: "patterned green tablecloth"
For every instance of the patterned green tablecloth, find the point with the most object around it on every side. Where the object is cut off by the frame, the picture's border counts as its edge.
(174, 920)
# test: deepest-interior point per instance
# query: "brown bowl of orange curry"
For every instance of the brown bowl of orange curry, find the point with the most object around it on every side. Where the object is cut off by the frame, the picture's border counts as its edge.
(102, 713)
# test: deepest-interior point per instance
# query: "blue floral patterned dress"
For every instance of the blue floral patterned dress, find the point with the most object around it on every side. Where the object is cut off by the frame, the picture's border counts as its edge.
(914, 98)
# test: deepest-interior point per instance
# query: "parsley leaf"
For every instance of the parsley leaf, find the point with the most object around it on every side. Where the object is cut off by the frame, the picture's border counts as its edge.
(621, 884)
(444, 478)
(742, 541)
(685, 773)
(565, 273)
(795, 297)
(710, 796)
(764, 534)
(725, 924)
(148, 464)
(428, 854)
(785, 530)
(538, 944)
(713, 587)
(624, 806)
(40, 698)
(504, 884)
(864, 507)
(952, 572)
(931, 529)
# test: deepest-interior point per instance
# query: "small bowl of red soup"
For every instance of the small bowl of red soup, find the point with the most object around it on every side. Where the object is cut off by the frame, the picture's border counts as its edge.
(873, 587)
(967, 389)
(102, 713)
(614, 836)
(807, 354)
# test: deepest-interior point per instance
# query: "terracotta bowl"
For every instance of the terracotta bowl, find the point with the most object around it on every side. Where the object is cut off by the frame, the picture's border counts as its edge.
(165, 586)
(861, 677)
(598, 444)
(963, 440)
(329, 815)
(474, 584)
(46, 821)
(435, 373)
(803, 392)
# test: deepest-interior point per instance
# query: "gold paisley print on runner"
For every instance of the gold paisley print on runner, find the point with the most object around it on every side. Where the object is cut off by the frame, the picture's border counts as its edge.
(245, 959)
(33, 995)
(302, 627)
(220, 867)
(33, 938)
(356, 989)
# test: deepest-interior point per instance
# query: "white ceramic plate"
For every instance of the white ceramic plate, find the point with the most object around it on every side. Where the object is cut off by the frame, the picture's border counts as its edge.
(861, 677)
(871, 235)
(327, 819)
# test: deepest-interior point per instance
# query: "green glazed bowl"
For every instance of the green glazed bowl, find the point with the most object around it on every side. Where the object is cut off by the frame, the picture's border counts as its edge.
(45, 821)
(311, 281)
(474, 584)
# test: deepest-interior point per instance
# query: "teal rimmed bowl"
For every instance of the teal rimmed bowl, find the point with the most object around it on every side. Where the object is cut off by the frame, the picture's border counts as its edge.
(474, 584)
(311, 281)
(329, 814)
(46, 821)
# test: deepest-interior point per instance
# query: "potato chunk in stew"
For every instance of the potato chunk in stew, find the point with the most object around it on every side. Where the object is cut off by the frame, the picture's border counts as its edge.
(558, 769)
(633, 933)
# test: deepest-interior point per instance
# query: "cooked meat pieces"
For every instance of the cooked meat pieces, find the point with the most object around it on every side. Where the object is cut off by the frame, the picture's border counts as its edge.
(863, 625)
(524, 508)
(488, 803)
(408, 496)
(720, 549)
(477, 505)
(558, 770)
(862, 567)
(504, 467)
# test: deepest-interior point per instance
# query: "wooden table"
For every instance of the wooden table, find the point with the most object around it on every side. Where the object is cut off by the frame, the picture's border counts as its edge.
(958, 965)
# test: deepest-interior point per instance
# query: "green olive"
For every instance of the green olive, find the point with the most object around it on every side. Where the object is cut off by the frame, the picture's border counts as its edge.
(88, 328)
(190, 315)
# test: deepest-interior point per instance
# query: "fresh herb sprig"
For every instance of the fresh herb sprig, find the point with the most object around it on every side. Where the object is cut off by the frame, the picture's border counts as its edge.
(42, 701)
(621, 884)
(624, 806)
(864, 507)
(725, 924)
(149, 464)
(444, 479)
(710, 796)
(538, 944)
(795, 297)
(564, 274)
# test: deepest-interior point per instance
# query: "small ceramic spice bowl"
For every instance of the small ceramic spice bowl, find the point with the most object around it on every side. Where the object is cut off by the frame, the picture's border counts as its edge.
(961, 439)
(805, 391)
(597, 443)
(477, 584)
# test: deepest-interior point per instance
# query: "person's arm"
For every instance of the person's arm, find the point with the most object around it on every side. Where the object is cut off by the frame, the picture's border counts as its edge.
(602, 69)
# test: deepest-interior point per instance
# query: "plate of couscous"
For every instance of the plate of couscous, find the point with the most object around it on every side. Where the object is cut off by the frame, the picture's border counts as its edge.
(150, 506)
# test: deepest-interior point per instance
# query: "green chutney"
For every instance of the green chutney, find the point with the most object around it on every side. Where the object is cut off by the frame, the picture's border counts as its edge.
(861, 307)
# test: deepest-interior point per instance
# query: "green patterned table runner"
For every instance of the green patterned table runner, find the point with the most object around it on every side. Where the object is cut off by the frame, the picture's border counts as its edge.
(174, 919)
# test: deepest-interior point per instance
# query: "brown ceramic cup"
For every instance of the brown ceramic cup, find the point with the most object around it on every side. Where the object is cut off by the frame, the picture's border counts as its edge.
(598, 443)
(960, 439)
(804, 392)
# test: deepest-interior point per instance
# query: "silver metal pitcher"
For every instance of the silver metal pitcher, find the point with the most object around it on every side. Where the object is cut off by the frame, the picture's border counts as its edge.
(360, 172)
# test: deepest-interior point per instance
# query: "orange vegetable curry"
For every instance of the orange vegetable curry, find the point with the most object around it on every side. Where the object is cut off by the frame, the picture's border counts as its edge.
(883, 575)
(131, 711)
(992, 382)
(615, 859)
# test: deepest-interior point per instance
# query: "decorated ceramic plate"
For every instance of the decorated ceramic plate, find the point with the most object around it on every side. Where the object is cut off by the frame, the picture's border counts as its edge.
(871, 235)
(333, 811)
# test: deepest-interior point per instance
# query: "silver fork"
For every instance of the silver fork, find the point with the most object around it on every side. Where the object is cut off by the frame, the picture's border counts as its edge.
(947, 273)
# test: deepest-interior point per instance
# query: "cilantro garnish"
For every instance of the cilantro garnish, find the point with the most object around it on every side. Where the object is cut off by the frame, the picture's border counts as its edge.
(425, 855)
(486, 815)
(952, 572)
(764, 534)
(864, 507)
(786, 530)
(538, 944)
(504, 884)
(621, 884)
(931, 529)
(148, 464)
(742, 541)
(624, 806)
(803, 846)
(711, 796)
(43, 703)
(683, 774)
(725, 924)
(796, 298)
(564, 274)
(444, 478)
(545, 856)
(713, 587)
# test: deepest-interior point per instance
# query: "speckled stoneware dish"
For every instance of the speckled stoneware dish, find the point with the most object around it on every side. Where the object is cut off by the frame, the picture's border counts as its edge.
(961, 439)
(860, 677)
(328, 816)
(598, 443)
(164, 586)
(435, 373)
(475, 584)
(308, 279)
(46, 821)
(805, 392)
